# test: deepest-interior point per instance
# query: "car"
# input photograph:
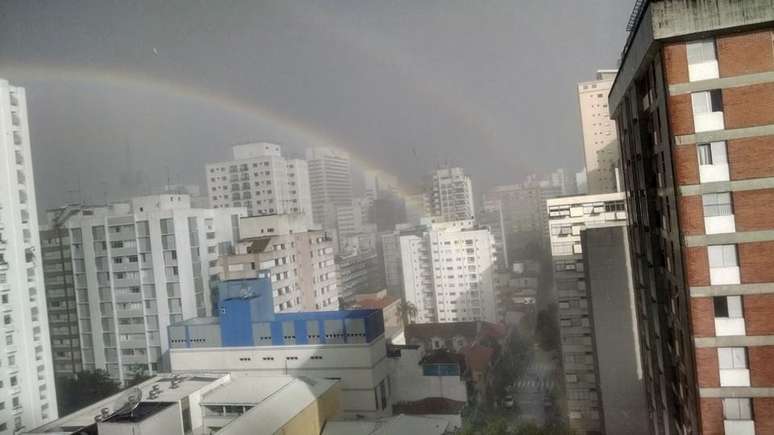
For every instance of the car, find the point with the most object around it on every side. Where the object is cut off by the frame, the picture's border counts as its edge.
(508, 401)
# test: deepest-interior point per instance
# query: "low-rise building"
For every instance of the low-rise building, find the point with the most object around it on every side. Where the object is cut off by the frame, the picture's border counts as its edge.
(248, 336)
(208, 403)
(390, 306)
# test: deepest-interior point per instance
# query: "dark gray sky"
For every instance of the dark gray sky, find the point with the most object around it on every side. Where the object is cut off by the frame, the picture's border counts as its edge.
(122, 93)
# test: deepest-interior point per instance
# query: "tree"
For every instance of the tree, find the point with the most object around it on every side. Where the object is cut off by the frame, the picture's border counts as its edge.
(408, 312)
(83, 389)
(548, 329)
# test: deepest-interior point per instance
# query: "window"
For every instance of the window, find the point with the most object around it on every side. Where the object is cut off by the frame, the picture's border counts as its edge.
(705, 154)
(728, 306)
(737, 409)
(707, 101)
(700, 51)
(722, 256)
(717, 204)
(732, 358)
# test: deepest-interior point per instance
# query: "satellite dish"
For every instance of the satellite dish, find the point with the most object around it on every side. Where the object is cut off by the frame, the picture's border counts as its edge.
(127, 402)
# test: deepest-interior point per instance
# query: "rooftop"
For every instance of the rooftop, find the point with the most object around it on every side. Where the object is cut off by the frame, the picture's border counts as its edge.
(399, 424)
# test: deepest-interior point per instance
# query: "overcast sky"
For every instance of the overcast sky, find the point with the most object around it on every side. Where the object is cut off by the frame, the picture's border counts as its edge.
(123, 95)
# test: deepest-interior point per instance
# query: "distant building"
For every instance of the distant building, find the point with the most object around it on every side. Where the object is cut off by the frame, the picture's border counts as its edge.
(693, 105)
(568, 217)
(117, 275)
(358, 272)
(353, 220)
(27, 389)
(390, 306)
(231, 403)
(330, 178)
(448, 272)
(249, 336)
(613, 315)
(491, 217)
(451, 194)
(600, 139)
(260, 179)
(299, 260)
(379, 183)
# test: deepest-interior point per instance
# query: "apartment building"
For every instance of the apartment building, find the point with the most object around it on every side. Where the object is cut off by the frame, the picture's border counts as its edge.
(330, 176)
(260, 179)
(491, 217)
(693, 105)
(600, 140)
(300, 261)
(567, 217)
(358, 272)
(448, 272)
(117, 275)
(27, 396)
(249, 337)
(451, 194)
(613, 314)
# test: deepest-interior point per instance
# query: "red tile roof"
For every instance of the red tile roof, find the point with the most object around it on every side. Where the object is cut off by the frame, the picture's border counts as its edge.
(477, 357)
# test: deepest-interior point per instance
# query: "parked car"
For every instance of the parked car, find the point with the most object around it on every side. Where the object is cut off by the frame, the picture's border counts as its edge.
(508, 401)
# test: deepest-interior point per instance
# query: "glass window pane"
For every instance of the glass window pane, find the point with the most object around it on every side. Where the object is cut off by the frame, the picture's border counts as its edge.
(729, 255)
(700, 102)
(734, 304)
(718, 153)
(721, 306)
(739, 355)
(715, 256)
(731, 409)
(705, 154)
(725, 359)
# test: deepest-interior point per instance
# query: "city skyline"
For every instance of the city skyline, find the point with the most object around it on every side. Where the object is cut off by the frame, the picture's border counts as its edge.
(202, 110)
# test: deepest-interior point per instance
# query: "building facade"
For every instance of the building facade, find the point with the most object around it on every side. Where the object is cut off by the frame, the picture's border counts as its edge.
(451, 195)
(260, 179)
(299, 260)
(600, 140)
(448, 272)
(134, 268)
(27, 395)
(330, 177)
(358, 272)
(249, 337)
(568, 217)
(608, 275)
(693, 105)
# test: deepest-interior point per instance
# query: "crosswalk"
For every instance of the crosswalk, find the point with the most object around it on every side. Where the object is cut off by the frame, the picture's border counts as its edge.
(534, 384)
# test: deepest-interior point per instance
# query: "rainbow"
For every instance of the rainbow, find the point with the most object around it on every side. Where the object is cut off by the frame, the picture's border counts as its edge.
(120, 78)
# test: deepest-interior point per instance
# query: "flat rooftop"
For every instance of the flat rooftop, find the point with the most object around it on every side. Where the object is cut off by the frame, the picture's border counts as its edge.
(306, 315)
(246, 390)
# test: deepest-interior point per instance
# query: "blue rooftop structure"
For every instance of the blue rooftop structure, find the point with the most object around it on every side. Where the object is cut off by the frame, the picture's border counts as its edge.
(247, 319)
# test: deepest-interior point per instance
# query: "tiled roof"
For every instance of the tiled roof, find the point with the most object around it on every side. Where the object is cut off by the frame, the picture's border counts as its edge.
(477, 356)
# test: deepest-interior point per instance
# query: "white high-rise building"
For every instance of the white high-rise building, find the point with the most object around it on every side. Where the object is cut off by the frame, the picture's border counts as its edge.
(260, 179)
(27, 396)
(600, 139)
(448, 272)
(136, 267)
(451, 195)
(330, 178)
(379, 182)
(300, 261)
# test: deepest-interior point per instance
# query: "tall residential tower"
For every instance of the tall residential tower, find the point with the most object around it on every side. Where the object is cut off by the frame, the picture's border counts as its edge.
(27, 396)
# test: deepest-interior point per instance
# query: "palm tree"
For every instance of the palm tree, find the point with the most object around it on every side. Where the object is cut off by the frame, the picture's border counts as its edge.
(408, 312)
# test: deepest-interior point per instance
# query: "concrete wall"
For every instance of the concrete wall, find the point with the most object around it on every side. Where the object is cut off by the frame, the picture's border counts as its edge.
(616, 339)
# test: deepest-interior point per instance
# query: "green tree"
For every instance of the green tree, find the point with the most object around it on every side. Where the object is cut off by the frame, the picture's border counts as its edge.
(84, 389)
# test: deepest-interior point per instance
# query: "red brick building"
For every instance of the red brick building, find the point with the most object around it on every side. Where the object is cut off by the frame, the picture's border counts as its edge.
(694, 104)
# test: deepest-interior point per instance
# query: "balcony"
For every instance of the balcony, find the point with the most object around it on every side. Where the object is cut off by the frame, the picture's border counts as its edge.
(725, 326)
(724, 275)
(719, 224)
(734, 378)
(739, 427)
(708, 121)
(713, 172)
(703, 70)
